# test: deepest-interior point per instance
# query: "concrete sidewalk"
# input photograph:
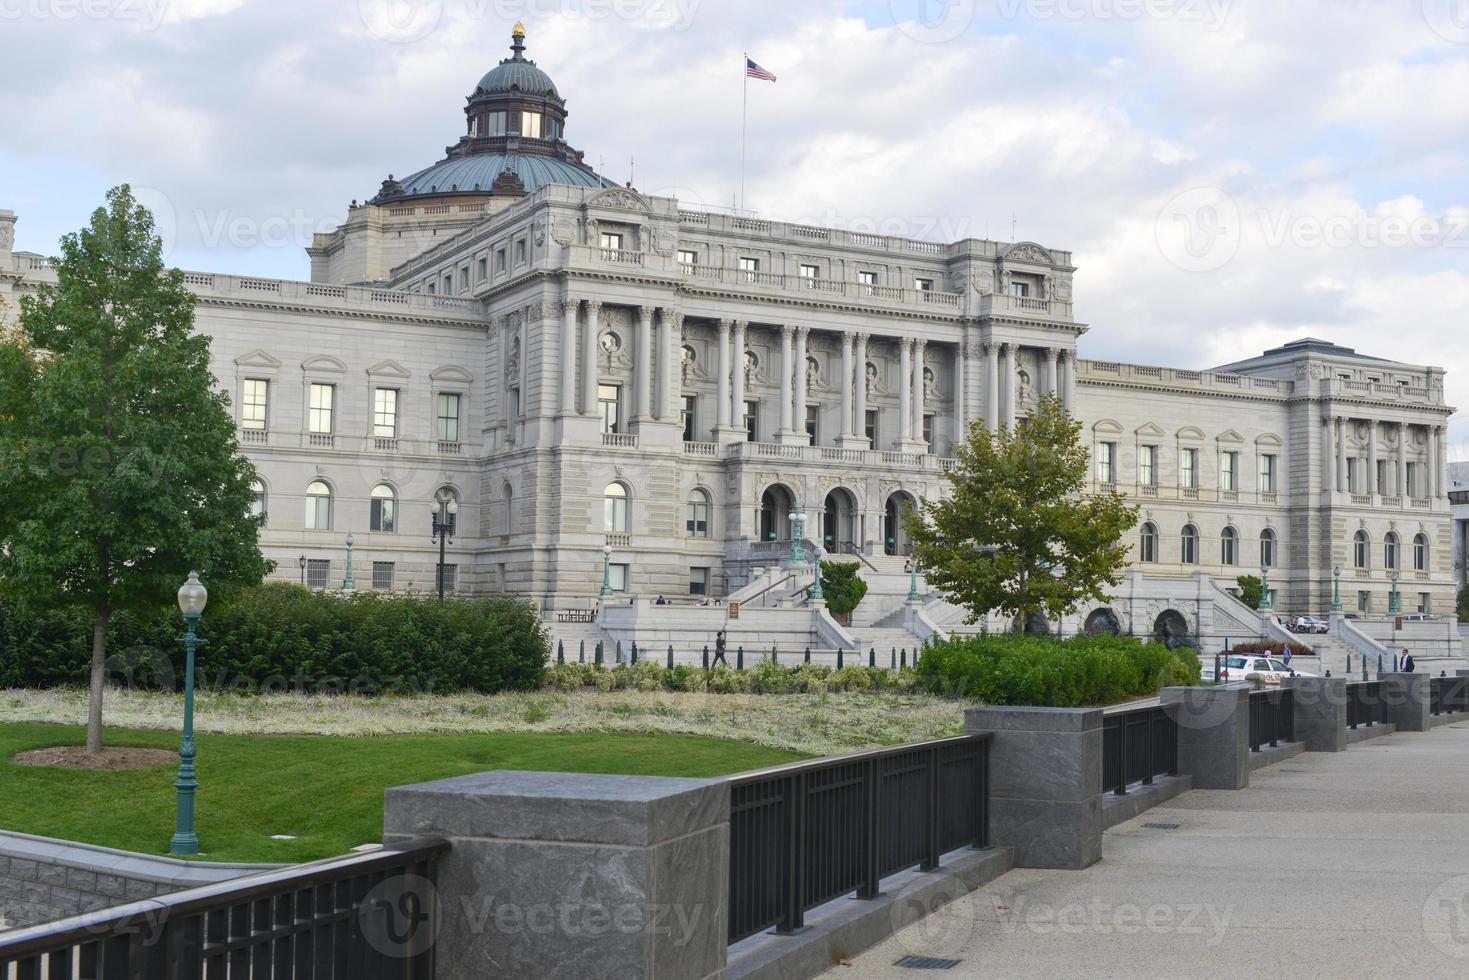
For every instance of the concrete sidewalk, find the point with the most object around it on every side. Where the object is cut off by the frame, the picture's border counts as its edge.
(1336, 866)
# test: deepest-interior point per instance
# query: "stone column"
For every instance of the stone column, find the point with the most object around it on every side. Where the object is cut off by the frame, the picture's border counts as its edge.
(918, 392)
(568, 355)
(737, 377)
(1007, 385)
(905, 393)
(644, 363)
(522, 328)
(787, 332)
(1050, 370)
(859, 380)
(1435, 486)
(670, 366)
(1402, 480)
(1372, 457)
(589, 359)
(1068, 386)
(721, 396)
(961, 415)
(1328, 454)
(570, 874)
(1341, 453)
(992, 386)
(798, 410)
(847, 427)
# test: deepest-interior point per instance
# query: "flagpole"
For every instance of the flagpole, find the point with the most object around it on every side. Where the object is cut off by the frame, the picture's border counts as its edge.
(744, 114)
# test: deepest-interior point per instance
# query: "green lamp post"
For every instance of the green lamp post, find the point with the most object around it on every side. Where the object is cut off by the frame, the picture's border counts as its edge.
(348, 583)
(816, 594)
(1394, 606)
(1336, 589)
(913, 579)
(1265, 604)
(192, 597)
(798, 532)
(606, 570)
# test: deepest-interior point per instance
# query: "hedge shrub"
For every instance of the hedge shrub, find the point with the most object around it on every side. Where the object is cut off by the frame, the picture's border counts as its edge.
(766, 677)
(1010, 669)
(284, 637)
(1273, 648)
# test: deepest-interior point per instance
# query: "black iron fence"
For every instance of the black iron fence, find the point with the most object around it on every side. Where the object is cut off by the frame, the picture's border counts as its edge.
(1138, 744)
(1364, 704)
(806, 833)
(361, 917)
(1272, 718)
(1448, 695)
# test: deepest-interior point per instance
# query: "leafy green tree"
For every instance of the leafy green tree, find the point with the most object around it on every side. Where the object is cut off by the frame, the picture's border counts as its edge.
(119, 470)
(842, 586)
(1018, 532)
(1464, 604)
(1251, 590)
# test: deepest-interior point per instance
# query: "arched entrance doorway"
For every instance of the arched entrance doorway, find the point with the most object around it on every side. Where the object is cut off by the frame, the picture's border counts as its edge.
(1171, 630)
(839, 521)
(1102, 621)
(772, 521)
(894, 534)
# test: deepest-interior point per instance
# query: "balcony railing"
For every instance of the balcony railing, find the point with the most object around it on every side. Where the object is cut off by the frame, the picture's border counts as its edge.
(324, 439)
(257, 436)
(620, 440)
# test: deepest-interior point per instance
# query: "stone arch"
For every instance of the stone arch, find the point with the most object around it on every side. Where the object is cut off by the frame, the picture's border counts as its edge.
(1172, 630)
(894, 535)
(839, 523)
(1102, 621)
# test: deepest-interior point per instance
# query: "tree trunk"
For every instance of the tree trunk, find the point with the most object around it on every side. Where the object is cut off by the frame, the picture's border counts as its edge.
(99, 675)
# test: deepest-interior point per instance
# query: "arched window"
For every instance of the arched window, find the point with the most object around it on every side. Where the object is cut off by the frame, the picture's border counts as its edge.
(1147, 548)
(697, 524)
(1390, 551)
(447, 493)
(509, 509)
(1267, 548)
(1229, 547)
(257, 501)
(318, 507)
(1361, 550)
(383, 514)
(1420, 552)
(1189, 541)
(614, 509)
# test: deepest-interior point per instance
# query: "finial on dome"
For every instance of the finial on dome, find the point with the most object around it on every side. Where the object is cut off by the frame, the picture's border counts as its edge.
(518, 30)
(517, 42)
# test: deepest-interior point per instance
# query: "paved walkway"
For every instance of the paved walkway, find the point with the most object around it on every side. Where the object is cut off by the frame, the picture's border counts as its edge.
(1354, 864)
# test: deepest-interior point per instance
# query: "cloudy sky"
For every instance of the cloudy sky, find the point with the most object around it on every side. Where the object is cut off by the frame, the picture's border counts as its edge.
(1230, 174)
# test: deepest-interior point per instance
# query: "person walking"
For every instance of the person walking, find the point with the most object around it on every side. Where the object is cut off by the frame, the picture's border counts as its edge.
(1405, 662)
(719, 650)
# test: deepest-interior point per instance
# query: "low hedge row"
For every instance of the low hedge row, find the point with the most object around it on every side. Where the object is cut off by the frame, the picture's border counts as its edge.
(765, 677)
(284, 637)
(1009, 669)
(1273, 648)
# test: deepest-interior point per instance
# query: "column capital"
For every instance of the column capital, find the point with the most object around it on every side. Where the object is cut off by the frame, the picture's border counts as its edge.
(724, 326)
(1006, 347)
(646, 312)
(787, 331)
(570, 305)
(739, 325)
(861, 336)
(594, 306)
(1052, 353)
(672, 316)
(802, 330)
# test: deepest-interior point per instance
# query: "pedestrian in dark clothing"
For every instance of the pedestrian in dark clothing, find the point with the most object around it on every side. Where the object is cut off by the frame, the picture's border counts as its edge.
(719, 649)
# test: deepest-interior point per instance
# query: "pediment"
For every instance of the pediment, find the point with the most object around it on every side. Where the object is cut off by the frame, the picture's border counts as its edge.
(1269, 439)
(621, 199)
(257, 359)
(451, 372)
(1188, 432)
(1150, 431)
(323, 362)
(1229, 435)
(1028, 252)
(1107, 427)
(388, 369)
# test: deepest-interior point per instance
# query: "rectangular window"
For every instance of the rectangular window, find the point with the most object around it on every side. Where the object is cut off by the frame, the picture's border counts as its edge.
(750, 267)
(520, 252)
(1020, 289)
(698, 581)
(499, 261)
(1147, 466)
(869, 428)
(1188, 468)
(515, 403)
(1425, 602)
(752, 412)
(1412, 472)
(448, 283)
(318, 573)
(255, 397)
(612, 240)
(464, 278)
(1267, 473)
(385, 413)
(433, 289)
(928, 429)
(319, 417)
(530, 124)
(382, 576)
(1382, 478)
(810, 272)
(617, 576)
(813, 419)
(866, 279)
(496, 123)
(1364, 602)
(608, 399)
(447, 421)
(690, 417)
(923, 285)
(1229, 471)
(688, 257)
(1106, 462)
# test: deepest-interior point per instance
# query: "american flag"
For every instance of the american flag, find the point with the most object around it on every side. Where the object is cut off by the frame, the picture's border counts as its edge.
(755, 71)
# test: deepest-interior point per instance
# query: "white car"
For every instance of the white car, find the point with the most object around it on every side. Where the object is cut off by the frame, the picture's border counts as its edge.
(1243, 668)
(1307, 624)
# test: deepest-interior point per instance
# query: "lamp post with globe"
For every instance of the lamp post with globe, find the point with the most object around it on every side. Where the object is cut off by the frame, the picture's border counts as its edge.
(192, 597)
(443, 532)
(1265, 603)
(1336, 589)
(606, 570)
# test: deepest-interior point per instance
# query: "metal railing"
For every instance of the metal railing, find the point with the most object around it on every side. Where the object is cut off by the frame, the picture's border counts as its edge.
(804, 834)
(1272, 718)
(1137, 745)
(340, 918)
(1448, 695)
(1364, 704)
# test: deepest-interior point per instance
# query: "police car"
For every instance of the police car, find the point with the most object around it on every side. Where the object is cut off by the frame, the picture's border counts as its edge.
(1243, 668)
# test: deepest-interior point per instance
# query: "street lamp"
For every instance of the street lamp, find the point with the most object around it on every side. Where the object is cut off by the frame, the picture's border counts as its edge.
(798, 532)
(913, 579)
(816, 594)
(443, 531)
(1336, 589)
(606, 570)
(192, 597)
(1393, 605)
(302, 562)
(348, 583)
(1265, 603)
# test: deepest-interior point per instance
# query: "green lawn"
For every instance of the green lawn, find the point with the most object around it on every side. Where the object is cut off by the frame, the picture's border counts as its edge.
(326, 791)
